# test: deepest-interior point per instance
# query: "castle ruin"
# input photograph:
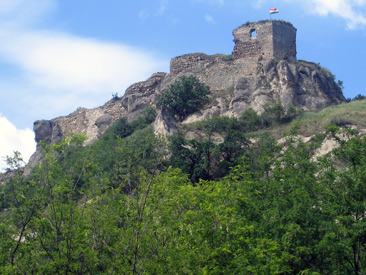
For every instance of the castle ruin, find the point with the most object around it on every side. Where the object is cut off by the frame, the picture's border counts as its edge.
(265, 40)
(254, 42)
(260, 72)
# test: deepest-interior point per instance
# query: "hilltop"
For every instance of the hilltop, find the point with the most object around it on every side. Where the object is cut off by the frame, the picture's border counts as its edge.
(262, 70)
(250, 163)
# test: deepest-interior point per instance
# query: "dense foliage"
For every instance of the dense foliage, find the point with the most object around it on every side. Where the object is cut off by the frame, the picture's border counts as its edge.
(249, 121)
(359, 97)
(184, 97)
(122, 128)
(121, 206)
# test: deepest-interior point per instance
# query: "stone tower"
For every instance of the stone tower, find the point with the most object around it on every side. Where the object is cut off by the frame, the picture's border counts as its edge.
(265, 40)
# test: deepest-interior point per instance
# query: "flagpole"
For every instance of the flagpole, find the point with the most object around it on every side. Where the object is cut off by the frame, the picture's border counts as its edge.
(272, 11)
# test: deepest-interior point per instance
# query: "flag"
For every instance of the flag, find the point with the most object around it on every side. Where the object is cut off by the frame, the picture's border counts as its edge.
(272, 11)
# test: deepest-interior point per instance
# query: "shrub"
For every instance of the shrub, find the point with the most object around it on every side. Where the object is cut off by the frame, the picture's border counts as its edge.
(123, 128)
(250, 121)
(276, 114)
(220, 124)
(147, 117)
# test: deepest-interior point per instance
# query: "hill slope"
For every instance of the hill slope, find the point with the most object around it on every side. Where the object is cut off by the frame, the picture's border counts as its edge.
(261, 72)
(265, 177)
(230, 201)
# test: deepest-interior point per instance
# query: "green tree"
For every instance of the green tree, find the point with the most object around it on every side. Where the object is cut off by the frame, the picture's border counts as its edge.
(45, 225)
(184, 97)
(358, 97)
(22, 200)
(233, 147)
(192, 156)
(123, 128)
(250, 121)
(203, 228)
(286, 205)
(277, 114)
(345, 201)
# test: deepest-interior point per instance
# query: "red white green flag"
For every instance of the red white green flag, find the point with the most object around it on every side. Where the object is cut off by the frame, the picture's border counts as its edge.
(272, 11)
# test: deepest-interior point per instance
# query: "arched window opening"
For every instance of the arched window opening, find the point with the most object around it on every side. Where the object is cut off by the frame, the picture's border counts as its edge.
(253, 33)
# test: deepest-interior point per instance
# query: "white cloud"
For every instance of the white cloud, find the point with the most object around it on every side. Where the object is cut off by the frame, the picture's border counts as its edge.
(143, 15)
(59, 61)
(13, 139)
(54, 61)
(209, 19)
(8, 6)
(163, 6)
(160, 11)
(58, 70)
(353, 11)
(25, 12)
(258, 4)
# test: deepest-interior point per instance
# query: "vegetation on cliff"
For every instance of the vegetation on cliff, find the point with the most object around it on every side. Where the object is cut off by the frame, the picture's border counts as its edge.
(230, 201)
(122, 206)
(184, 97)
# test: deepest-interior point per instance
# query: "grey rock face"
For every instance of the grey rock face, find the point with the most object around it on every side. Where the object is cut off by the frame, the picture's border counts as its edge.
(165, 125)
(103, 120)
(94, 122)
(43, 130)
(242, 84)
(250, 78)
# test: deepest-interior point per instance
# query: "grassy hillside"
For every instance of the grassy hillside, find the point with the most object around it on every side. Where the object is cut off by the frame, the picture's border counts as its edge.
(342, 115)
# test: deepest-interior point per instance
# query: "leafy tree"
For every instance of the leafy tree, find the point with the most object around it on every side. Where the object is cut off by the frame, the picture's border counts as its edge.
(205, 160)
(22, 200)
(123, 128)
(250, 121)
(340, 84)
(345, 180)
(192, 156)
(184, 97)
(233, 148)
(44, 215)
(358, 97)
(262, 155)
(115, 208)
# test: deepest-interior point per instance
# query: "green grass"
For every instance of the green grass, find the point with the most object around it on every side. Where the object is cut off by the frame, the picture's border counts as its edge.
(342, 115)
(311, 123)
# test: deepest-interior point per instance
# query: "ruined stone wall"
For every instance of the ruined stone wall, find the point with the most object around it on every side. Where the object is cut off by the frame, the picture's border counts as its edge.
(265, 40)
(249, 45)
(189, 62)
(284, 40)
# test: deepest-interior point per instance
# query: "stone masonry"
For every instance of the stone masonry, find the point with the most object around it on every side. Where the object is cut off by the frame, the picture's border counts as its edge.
(265, 40)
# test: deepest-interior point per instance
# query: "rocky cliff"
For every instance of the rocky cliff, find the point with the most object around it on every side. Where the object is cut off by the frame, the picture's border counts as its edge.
(236, 83)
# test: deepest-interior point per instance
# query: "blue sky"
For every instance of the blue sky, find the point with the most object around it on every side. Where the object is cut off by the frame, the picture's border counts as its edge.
(58, 55)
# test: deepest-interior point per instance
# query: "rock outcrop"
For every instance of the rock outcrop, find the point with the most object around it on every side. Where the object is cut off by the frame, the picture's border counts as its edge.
(255, 75)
